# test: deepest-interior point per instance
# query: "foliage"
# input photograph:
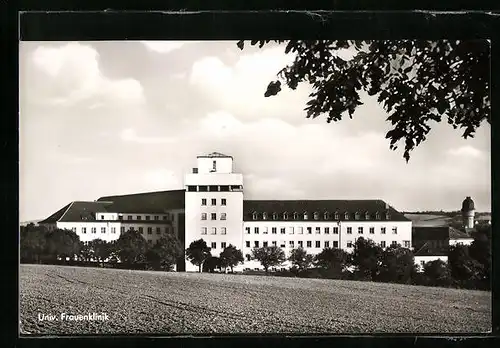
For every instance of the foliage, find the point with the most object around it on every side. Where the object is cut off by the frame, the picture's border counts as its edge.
(417, 82)
(62, 244)
(437, 273)
(164, 253)
(269, 256)
(465, 270)
(366, 259)
(100, 249)
(131, 247)
(32, 243)
(480, 250)
(301, 259)
(198, 252)
(333, 261)
(230, 257)
(211, 264)
(397, 265)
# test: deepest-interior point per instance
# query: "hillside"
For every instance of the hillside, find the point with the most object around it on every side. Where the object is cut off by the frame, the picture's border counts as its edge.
(189, 303)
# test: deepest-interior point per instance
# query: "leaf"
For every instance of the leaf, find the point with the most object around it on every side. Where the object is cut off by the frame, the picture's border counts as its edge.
(273, 88)
(241, 44)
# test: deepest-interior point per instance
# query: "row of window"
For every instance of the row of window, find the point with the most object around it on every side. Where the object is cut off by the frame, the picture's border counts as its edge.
(139, 217)
(309, 230)
(214, 188)
(122, 230)
(316, 216)
(213, 216)
(213, 230)
(317, 244)
(213, 245)
(213, 201)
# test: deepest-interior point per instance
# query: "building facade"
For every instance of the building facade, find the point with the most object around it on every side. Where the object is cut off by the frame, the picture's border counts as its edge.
(212, 207)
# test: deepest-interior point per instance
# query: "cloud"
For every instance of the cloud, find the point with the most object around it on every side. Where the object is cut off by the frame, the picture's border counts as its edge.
(162, 179)
(129, 135)
(71, 74)
(466, 151)
(165, 46)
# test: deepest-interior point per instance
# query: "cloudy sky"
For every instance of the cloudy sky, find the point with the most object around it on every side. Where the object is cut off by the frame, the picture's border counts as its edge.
(103, 118)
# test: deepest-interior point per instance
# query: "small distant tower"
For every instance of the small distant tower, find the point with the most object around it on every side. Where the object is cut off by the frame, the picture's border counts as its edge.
(468, 212)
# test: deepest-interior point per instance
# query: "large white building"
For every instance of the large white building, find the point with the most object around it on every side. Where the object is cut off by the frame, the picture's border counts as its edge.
(212, 207)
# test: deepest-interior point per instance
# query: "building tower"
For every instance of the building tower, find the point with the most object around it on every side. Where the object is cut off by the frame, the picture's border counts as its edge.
(214, 204)
(468, 212)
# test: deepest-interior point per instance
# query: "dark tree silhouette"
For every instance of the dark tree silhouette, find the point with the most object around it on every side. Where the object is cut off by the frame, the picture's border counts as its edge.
(397, 265)
(269, 256)
(164, 253)
(366, 258)
(332, 260)
(301, 259)
(198, 252)
(417, 82)
(131, 247)
(230, 257)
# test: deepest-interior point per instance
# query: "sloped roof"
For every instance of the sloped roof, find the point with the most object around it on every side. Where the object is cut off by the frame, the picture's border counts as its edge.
(320, 206)
(428, 250)
(147, 202)
(56, 216)
(214, 155)
(457, 234)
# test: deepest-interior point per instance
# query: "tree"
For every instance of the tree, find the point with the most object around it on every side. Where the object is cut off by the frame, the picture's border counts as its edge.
(211, 263)
(366, 258)
(332, 260)
(465, 270)
(397, 265)
(164, 253)
(301, 259)
(99, 249)
(416, 81)
(86, 252)
(480, 250)
(131, 247)
(230, 257)
(437, 273)
(269, 256)
(32, 243)
(62, 244)
(198, 252)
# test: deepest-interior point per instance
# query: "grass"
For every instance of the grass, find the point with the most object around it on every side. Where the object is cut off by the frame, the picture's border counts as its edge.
(191, 303)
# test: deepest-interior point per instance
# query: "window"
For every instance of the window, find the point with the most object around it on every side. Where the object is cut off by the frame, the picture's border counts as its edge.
(367, 216)
(256, 243)
(103, 229)
(73, 229)
(394, 230)
(203, 201)
(356, 216)
(247, 244)
(274, 243)
(382, 230)
(308, 243)
(394, 243)
(120, 217)
(256, 230)
(275, 216)
(203, 216)
(222, 230)
(309, 230)
(387, 216)
(122, 229)
(224, 188)
(349, 230)
(214, 201)
(316, 216)
(326, 216)
(273, 230)
(295, 216)
(300, 243)
(290, 230)
(346, 216)
(377, 215)
(318, 230)
(223, 245)
(335, 244)
(327, 244)
(349, 244)
(203, 230)
(407, 243)
(139, 217)
(336, 216)
(285, 216)
(102, 217)
(129, 217)
(283, 230)
(213, 216)
(265, 230)
(165, 217)
(141, 230)
(306, 216)
(300, 230)
(148, 217)
(291, 243)
(360, 230)
(282, 244)
(223, 216)
(214, 230)
(422, 264)
(382, 244)
(335, 230)
(113, 229)
(254, 216)
(214, 166)
(327, 230)
(158, 230)
(264, 216)
(150, 230)
(264, 244)
(84, 229)
(372, 230)
(318, 244)
(247, 230)
(223, 201)
(213, 245)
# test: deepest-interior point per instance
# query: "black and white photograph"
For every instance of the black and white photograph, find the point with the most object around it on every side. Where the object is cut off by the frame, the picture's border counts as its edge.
(254, 187)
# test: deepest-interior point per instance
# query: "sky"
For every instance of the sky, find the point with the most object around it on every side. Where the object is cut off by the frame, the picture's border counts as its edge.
(107, 118)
